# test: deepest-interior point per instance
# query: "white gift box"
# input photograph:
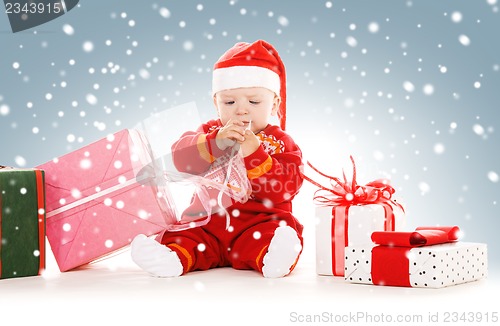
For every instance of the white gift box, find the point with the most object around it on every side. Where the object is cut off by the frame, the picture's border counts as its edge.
(433, 266)
(362, 220)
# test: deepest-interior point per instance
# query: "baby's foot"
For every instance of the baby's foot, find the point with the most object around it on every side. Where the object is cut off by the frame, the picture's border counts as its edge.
(282, 254)
(155, 258)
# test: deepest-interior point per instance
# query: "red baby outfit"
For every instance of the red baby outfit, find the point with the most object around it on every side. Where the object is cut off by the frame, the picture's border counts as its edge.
(273, 171)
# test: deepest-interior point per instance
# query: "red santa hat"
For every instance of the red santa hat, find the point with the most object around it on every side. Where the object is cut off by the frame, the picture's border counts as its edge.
(252, 65)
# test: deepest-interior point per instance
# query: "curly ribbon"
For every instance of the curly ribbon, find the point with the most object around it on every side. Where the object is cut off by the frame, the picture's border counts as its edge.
(343, 194)
(350, 193)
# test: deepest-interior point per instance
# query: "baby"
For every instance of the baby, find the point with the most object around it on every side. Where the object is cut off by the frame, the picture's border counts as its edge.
(248, 87)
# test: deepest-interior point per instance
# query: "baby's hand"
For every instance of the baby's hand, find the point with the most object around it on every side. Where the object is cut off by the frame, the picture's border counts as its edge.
(250, 144)
(229, 134)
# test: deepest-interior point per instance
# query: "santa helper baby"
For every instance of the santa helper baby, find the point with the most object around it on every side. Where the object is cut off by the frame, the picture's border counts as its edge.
(249, 86)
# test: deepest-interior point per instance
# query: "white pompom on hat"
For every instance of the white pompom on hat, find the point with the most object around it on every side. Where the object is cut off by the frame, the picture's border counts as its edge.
(255, 64)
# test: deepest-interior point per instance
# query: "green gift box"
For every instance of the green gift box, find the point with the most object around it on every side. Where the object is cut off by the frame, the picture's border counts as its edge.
(22, 222)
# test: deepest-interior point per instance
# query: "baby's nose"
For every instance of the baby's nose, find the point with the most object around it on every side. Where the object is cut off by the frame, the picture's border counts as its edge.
(241, 109)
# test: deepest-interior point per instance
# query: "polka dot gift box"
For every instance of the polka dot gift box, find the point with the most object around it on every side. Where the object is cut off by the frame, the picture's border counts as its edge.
(22, 222)
(430, 257)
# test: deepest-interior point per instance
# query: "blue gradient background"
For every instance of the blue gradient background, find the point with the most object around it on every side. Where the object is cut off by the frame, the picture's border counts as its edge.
(439, 149)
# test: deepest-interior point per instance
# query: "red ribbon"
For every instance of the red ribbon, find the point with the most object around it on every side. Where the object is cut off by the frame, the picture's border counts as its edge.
(422, 236)
(343, 194)
(351, 193)
(41, 219)
(390, 262)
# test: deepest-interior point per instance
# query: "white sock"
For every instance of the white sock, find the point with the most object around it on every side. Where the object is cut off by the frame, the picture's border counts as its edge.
(155, 258)
(282, 252)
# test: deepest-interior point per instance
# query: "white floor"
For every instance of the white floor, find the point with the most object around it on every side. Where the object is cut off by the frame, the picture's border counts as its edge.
(117, 292)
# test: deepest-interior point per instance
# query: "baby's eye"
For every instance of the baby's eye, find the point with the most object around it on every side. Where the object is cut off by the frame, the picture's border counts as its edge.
(229, 102)
(254, 102)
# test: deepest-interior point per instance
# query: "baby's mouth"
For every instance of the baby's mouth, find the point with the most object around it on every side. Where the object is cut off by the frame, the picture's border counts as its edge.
(247, 124)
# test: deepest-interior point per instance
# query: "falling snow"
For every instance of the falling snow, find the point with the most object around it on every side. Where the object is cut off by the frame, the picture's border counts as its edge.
(351, 41)
(428, 89)
(478, 129)
(164, 12)
(283, 21)
(464, 40)
(493, 176)
(363, 82)
(456, 17)
(85, 164)
(68, 29)
(439, 148)
(408, 86)
(88, 46)
(373, 27)
(4, 110)
(20, 161)
(91, 99)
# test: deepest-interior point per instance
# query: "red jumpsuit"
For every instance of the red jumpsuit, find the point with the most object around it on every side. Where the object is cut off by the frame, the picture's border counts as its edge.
(274, 173)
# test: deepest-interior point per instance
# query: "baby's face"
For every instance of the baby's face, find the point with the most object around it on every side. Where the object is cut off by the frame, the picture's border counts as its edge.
(255, 104)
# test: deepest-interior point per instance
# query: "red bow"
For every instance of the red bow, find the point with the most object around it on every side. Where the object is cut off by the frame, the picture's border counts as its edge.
(422, 236)
(350, 193)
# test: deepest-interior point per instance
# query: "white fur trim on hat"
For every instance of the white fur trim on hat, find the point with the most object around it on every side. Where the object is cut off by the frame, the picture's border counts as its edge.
(245, 76)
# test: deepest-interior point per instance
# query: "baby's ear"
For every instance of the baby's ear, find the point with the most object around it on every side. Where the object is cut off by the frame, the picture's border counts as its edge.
(276, 105)
(215, 105)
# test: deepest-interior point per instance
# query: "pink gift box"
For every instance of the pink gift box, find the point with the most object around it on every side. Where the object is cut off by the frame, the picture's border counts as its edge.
(96, 203)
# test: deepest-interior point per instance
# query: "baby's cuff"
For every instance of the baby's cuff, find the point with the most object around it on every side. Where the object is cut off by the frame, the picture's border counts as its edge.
(207, 146)
(258, 163)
